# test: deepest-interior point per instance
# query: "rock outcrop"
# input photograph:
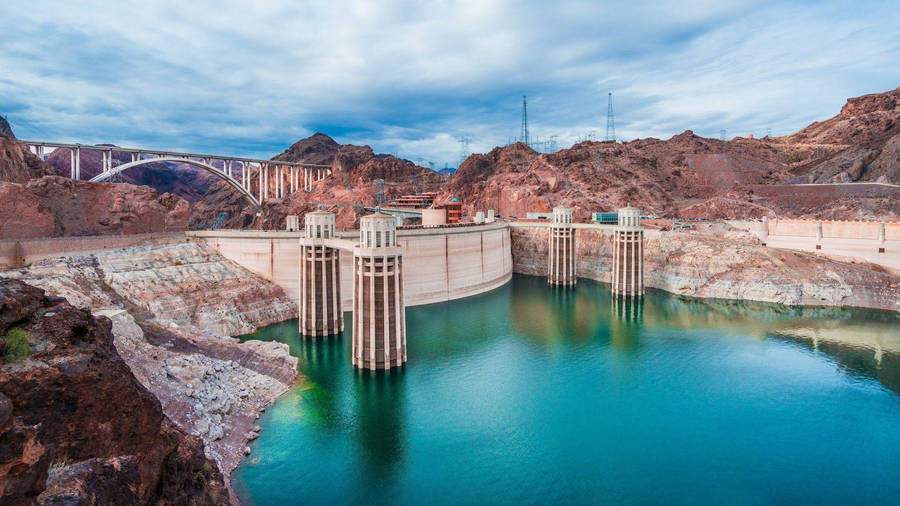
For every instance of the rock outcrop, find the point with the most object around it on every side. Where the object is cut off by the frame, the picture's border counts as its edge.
(53, 206)
(724, 265)
(76, 427)
(18, 164)
(173, 305)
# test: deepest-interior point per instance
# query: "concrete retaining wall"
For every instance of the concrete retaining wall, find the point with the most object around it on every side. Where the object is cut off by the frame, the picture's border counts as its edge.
(834, 229)
(35, 250)
(439, 264)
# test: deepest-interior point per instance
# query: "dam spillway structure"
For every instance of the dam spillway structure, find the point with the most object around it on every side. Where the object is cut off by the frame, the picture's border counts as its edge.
(379, 318)
(320, 278)
(628, 254)
(561, 264)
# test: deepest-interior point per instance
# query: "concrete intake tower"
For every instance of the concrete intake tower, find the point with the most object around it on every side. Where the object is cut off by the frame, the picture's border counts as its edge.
(628, 254)
(561, 264)
(320, 278)
(379, 318)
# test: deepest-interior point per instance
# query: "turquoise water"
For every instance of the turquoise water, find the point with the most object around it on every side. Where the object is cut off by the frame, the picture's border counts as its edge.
(533, 395)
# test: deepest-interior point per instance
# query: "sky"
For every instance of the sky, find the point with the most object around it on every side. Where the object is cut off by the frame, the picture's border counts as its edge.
(246, 78)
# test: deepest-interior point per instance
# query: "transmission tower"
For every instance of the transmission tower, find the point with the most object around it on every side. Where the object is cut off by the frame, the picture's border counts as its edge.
(610, 121)
(524, 136)
(463, 148)
(378, 189)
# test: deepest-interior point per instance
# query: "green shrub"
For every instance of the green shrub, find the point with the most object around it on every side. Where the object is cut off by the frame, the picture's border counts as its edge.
(17, 345)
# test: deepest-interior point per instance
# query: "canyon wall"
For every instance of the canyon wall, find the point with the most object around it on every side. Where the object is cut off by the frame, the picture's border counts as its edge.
(726, 266)
(76, 427)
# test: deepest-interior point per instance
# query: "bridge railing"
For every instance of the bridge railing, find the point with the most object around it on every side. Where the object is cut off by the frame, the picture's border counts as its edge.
(287, 175)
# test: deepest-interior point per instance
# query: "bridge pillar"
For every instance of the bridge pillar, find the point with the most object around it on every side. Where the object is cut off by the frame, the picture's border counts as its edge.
(561, 267)
(881, 237)
(72, 163)
(819, 235)
(320, 278)
(77, 163)
(628, 254)
(379, 318)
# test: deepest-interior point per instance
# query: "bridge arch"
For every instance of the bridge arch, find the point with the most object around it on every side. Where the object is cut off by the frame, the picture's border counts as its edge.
(208, 168)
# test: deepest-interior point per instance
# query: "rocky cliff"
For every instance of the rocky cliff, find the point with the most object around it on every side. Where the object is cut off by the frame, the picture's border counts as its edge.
(679, 175)
(173, 305)
(53, 206)
(724, 264)
(76, 427)
(862, 143)
(18, 164)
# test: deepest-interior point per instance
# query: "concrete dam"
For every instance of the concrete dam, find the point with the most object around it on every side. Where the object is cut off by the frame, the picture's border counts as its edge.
(439, 264)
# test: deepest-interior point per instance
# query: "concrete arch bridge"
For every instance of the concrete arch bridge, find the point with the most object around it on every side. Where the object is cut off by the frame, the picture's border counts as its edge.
(289, 177)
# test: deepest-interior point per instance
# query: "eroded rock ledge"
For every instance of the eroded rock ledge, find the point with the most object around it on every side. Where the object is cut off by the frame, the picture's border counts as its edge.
(173, 305)
(76, 427)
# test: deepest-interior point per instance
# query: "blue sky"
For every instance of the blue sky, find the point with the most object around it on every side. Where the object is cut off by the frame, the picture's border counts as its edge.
(411, 78)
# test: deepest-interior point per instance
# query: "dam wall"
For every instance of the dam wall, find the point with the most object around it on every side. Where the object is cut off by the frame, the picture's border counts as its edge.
(439, 264)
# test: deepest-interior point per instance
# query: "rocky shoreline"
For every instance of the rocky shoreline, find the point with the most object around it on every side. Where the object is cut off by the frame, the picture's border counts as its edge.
(173, 304)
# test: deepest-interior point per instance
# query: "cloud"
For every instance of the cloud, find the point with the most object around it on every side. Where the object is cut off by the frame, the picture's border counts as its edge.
(251, 78)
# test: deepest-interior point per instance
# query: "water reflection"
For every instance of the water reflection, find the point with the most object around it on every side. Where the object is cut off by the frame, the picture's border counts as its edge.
(380, 401)
(554, 316)
(626, 321)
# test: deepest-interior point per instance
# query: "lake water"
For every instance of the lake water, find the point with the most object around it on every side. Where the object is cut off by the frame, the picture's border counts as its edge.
(530, 394)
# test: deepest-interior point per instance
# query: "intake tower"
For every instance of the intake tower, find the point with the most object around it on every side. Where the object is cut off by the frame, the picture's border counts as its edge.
(320, 278)
(628, 254)
(561, 265)
(379, 318)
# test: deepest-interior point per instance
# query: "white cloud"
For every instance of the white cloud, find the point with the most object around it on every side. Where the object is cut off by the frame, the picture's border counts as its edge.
(250, 78)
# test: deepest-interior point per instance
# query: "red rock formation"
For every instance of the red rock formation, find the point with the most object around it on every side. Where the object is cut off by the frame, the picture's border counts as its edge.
(679, 175)
(862, 143)
(83, 208)
(22, 214)
(81, 429)
(18, 165)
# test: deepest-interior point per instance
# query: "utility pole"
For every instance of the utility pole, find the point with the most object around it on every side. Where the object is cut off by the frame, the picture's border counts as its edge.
(610, 121)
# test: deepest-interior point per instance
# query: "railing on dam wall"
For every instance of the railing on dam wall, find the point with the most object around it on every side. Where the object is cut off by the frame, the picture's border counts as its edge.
(834, 229)
(439, 264)
(17, 252)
